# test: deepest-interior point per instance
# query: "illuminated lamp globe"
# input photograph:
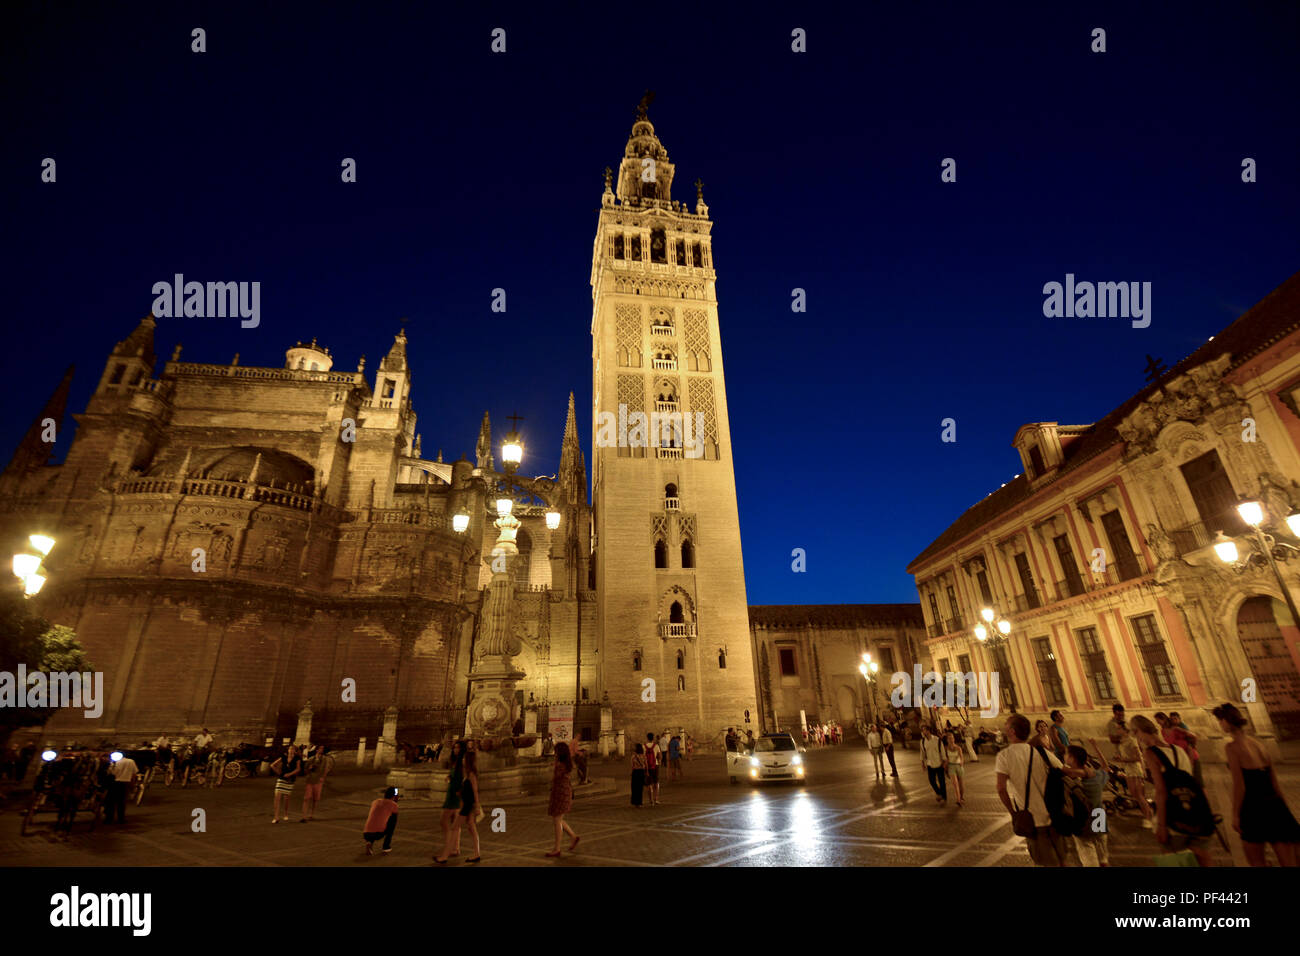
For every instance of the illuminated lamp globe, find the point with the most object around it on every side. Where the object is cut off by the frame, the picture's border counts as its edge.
(981, 632)
(504, 506)
(25, 565)
(1293, 523)
(1252, 512)
(33, 583)
(460, 522)
(512, 452)
(42, 543)
(48, 755)
(1225, 548)
(987, 614)
(552, 519)
(1004, 626)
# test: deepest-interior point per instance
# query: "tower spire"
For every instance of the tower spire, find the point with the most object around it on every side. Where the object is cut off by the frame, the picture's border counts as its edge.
(483, 450)
(34, 451)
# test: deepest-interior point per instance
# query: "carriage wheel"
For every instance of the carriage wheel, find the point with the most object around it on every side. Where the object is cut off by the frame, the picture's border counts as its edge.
(232, 771)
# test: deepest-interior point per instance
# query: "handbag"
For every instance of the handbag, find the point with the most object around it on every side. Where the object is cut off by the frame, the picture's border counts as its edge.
(480, 813)
(1022, 821)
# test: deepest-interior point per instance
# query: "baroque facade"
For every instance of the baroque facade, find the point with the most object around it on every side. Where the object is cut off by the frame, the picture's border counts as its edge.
(1100, 553)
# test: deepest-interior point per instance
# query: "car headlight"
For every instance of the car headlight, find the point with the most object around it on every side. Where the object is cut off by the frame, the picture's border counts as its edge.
(796, 760)
(755, 762)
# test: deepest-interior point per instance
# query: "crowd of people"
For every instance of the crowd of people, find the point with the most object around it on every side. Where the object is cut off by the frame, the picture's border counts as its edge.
(1053, 788)
(658, 756)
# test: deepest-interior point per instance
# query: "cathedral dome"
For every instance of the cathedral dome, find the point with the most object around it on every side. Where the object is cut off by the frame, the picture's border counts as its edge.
(310, 358)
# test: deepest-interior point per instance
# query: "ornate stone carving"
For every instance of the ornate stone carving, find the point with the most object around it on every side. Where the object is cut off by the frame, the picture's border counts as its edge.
(1188, 397)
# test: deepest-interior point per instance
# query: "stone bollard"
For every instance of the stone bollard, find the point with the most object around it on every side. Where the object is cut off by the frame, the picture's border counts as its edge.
(387, 743)
(303, 736)
(361, 753)
(622, 743)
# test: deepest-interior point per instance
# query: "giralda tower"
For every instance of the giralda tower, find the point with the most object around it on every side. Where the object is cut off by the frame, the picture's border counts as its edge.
(673, 638)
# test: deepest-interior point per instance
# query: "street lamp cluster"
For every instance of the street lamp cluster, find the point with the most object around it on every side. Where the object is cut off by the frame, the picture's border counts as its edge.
(868, 669)
(1265, 549)
(28, 567)
(512, 453)
(982, 630)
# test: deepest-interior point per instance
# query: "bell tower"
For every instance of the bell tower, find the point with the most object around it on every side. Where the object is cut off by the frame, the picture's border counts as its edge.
(673, 638)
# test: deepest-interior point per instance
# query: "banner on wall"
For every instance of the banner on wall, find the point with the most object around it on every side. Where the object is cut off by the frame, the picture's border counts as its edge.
(559, 722)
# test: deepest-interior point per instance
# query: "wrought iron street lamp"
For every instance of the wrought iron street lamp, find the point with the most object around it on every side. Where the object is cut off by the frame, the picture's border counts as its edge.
(988, 630)
(1264, 548)
(868, 669)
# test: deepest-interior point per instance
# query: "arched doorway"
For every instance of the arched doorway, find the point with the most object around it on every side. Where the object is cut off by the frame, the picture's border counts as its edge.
(1272, 662)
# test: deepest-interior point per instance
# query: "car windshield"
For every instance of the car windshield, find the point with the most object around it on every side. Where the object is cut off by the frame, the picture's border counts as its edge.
(766, 745)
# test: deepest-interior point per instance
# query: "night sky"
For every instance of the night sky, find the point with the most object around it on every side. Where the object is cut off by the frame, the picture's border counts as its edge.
(821, 170)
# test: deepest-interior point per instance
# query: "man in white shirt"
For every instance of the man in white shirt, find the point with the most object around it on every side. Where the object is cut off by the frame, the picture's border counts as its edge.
(877, 747)
(934, 762)
(122, 771)
(1016, 773)
(202, 740)
(887, 740)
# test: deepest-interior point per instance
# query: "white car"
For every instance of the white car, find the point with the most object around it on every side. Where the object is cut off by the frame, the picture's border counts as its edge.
(775, 757)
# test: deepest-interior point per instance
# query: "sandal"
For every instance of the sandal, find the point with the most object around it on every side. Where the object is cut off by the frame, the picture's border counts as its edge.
(554, 853)
(574, 843)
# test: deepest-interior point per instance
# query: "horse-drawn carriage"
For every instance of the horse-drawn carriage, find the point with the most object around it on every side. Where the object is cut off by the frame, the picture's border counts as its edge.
(244, 760)
(67, 784)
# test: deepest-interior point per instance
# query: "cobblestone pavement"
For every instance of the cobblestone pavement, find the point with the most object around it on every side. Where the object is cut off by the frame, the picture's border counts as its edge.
(841, 818)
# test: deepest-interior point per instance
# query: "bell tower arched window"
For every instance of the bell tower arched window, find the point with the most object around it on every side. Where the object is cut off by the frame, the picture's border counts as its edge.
(688, 554)
(675, 614)
(658, 245)
(636, 660)
(681, 661)
(661, 554)
(618, 246)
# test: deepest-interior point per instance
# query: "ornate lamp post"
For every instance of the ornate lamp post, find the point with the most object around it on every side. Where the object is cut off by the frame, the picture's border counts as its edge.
(868, 669)
(994, 633)
(1264, 548)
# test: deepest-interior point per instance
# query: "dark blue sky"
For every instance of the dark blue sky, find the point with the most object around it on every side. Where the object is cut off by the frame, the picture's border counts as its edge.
(478, 171)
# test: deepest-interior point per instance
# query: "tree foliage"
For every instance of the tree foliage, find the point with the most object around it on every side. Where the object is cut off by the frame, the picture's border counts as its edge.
(28, 639)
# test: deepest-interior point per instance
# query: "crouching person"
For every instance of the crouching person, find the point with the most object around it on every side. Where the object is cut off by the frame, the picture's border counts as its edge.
(382, 821)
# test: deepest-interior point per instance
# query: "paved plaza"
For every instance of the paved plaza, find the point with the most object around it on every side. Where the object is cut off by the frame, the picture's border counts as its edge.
(841, 818)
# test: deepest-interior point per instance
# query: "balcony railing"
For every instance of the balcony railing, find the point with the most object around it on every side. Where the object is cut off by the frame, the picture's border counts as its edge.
(1028, 602)
(677, 630)
(665, 406)
(669, 365)
(668, 453)
(1070, 586)
(935, 630)
(661, 330)
(1191, 538)
(673, 504)
(954, 624)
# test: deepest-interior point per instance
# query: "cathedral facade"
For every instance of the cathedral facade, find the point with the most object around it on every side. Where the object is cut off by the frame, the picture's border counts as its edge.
(237, 543)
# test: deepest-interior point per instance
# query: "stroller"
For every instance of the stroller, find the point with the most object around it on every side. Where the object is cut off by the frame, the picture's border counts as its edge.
(1115, 798)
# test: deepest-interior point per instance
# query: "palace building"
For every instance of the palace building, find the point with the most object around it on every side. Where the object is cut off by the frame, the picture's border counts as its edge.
(238, 545)
(1101, 554)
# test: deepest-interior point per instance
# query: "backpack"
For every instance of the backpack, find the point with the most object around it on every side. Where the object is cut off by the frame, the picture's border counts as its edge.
(1065, 800)
(1187, 811)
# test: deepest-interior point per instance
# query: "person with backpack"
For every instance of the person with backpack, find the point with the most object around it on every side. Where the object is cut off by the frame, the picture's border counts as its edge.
(652, 762)
(1092, 842)
(1184, 818)
(1179, 737)
(1022, 778)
